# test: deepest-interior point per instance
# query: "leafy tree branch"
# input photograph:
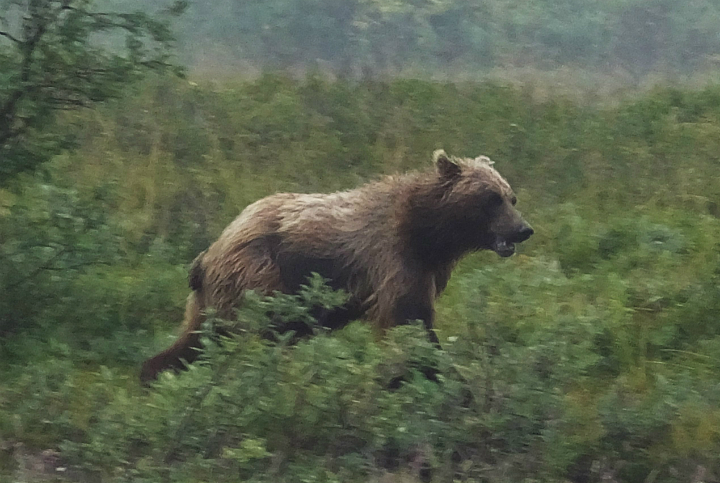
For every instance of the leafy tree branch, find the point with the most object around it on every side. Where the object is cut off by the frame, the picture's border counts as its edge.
(62, 55)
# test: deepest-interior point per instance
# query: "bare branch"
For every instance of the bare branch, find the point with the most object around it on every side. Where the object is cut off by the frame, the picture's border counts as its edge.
(48, 263)
(7, 35)
(33, 33)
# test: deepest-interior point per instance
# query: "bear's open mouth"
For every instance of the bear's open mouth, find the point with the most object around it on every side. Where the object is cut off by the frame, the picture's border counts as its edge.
(503, 247)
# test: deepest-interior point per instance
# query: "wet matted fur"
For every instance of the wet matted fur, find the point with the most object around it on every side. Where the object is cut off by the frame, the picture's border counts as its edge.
(391, 244)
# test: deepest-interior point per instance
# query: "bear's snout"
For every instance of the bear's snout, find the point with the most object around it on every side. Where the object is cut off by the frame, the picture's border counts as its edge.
(522, 234)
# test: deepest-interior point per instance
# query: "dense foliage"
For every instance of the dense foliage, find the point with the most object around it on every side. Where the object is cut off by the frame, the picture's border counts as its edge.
(593, 355)
(432, 38)
(53, 59)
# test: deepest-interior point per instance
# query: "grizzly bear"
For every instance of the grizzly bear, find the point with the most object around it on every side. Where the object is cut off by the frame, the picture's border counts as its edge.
(390, 244)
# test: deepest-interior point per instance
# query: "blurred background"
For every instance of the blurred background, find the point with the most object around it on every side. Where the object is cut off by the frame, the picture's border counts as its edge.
(131, 136)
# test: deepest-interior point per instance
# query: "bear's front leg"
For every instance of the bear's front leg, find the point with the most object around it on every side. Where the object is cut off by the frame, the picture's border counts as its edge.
(415, 306)
(408, 308)
(417, 302)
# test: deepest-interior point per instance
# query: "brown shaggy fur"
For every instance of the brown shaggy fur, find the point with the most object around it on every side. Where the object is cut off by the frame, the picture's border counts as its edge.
(390, 244)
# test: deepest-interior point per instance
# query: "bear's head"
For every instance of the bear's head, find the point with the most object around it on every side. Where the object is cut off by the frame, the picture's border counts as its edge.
(479, 205)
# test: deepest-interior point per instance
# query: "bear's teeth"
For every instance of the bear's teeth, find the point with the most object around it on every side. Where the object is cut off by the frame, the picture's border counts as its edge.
(503, 248)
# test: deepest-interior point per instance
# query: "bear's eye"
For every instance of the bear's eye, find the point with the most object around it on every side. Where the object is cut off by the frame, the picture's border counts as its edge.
(514, 200)
(494, 200)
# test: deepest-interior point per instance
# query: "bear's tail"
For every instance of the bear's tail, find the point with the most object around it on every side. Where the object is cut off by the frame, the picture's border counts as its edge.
(186, 349)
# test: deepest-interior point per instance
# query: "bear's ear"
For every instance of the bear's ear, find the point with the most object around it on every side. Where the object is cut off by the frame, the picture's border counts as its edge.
(485, 160)
(447, 167)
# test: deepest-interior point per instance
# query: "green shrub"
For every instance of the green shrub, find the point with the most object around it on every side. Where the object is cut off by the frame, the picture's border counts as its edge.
(591, 354)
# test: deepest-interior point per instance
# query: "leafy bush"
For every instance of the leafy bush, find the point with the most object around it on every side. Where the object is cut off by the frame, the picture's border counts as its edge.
(590, 355)
(49, 237)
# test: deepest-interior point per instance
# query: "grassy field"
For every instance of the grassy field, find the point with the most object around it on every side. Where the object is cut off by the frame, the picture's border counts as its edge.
(593, 354)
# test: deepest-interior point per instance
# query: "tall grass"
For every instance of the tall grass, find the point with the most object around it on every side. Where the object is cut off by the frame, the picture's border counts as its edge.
(591, 354)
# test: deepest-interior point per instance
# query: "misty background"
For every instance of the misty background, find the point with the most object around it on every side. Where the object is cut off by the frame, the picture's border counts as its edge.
(592, 355)
(629, 39)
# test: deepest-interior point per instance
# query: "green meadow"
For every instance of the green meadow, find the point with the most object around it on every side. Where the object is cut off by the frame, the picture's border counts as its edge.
(592, 355)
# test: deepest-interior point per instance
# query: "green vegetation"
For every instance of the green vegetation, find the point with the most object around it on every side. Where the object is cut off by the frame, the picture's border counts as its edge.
(593, 354)
(53, 59)
(446, 38)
